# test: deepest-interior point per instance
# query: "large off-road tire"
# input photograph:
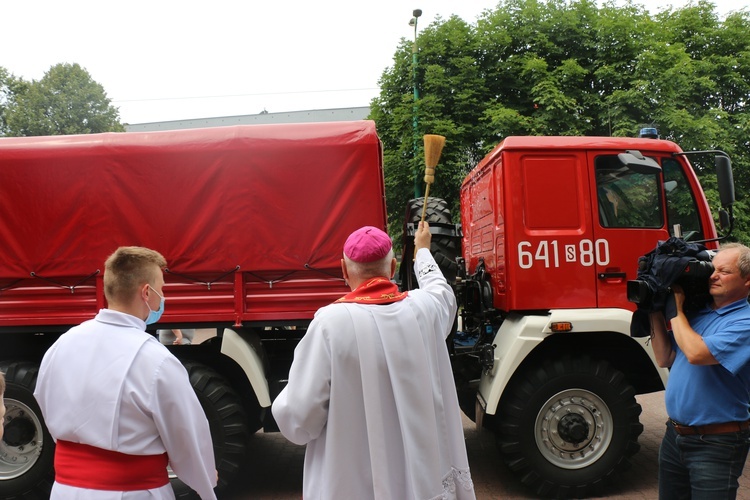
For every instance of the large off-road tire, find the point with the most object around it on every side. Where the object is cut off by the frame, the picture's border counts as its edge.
(27, 451)
(567, 428)
(228, 423)
(445, 249)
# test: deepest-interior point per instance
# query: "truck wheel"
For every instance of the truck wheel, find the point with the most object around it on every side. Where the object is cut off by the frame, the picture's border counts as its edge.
(227, 421)
(445, 249)
(568, 428)
(27, 450)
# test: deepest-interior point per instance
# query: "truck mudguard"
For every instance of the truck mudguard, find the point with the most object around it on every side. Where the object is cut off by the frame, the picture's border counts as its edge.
(248, 359)
(519, 334)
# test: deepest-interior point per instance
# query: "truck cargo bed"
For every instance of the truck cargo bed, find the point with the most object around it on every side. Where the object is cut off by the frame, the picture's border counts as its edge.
(251, 219)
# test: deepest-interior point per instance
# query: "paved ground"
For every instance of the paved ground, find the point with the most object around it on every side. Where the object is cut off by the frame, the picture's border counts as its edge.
(275, 469)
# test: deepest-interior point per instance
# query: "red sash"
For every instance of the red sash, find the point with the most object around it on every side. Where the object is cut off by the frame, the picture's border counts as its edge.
(85, 466)
(375, 291)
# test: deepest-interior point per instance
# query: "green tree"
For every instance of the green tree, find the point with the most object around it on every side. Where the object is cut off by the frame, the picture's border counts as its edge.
(10, 87)
(65, 101)
(452, 90)
(556, 67)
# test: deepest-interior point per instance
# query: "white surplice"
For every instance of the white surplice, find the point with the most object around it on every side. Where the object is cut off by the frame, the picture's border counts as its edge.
(371, 394)
(108, 383)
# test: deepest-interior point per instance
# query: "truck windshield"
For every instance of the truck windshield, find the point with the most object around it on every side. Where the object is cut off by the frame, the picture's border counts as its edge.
(627, 198)
(681, 206)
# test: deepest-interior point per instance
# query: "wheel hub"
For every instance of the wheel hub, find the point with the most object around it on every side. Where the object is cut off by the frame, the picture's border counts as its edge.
(573, 429)
(19, 431)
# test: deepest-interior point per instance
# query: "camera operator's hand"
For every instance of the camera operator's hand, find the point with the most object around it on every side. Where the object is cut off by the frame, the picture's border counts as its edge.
(679, 298)
(660, 341)
(689, 341)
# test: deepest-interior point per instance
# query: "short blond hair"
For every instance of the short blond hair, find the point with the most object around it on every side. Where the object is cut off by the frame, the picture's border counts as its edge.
(128, 269)
(2, 387)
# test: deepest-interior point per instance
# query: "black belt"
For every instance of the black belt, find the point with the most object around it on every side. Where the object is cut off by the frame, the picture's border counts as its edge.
(722, 428)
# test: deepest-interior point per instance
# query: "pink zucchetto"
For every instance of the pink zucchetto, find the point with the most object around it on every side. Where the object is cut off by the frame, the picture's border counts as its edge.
(367, 244)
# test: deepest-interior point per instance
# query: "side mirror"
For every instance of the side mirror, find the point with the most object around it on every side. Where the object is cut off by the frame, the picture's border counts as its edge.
(724, 219)
(725, 179)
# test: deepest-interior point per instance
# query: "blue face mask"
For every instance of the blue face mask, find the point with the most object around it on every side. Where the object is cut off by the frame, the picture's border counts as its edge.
(154, 316)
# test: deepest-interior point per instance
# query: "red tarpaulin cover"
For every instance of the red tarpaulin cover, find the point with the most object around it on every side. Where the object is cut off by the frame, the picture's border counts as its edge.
(262, 197)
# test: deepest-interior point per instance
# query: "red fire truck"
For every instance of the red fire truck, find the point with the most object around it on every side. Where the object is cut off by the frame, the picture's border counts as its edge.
(252, 219)
(551, 232)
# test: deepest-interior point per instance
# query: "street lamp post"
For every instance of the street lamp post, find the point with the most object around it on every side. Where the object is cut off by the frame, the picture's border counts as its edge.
(413, 22)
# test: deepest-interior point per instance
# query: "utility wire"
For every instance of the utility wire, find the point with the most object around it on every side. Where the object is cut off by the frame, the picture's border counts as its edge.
(240, 95)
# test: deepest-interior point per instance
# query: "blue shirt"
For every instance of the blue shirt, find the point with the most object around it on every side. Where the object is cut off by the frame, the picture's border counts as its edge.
(708, 394)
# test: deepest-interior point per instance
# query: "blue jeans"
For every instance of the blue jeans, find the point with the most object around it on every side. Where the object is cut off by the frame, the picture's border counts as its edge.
(701, 466)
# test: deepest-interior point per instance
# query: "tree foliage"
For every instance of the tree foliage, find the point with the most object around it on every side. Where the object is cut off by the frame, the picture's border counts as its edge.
(65, 101)
(10, 86)
(556, 67)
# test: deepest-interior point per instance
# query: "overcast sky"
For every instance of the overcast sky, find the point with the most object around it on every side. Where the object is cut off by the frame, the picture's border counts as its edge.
(162, 60)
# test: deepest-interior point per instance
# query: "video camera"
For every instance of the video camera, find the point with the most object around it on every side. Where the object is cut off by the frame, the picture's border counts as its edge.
(693, 278)
(673, 262)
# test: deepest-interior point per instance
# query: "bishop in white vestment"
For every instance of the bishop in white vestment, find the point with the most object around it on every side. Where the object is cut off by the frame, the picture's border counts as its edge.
(371, 390)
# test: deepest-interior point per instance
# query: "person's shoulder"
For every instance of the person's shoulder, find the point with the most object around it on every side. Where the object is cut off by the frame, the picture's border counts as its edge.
(735, 316)
(154, 351)
(152, 344)
(333, 311)
(334, 318)
(333, 308)
(739, 309)
(154, 356)
(742, 314)
(87, 325)
(85, 328)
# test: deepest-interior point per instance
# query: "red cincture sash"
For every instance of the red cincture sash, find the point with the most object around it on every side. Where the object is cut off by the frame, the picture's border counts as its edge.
(375, 291)
(85, 466)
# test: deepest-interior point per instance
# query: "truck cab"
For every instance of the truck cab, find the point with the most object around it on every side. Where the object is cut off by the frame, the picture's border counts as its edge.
(559, 222)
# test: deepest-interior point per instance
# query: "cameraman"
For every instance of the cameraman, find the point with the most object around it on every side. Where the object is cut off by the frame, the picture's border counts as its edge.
(706, 441)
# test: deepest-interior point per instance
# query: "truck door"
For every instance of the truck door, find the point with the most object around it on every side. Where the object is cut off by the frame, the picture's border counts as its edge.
(629, 219)
(550, 233)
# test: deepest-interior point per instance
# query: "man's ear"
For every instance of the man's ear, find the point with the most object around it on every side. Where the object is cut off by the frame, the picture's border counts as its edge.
(344, 271)
(394, 265)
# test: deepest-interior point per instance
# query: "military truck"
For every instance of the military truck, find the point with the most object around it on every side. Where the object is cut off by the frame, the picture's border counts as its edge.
(252, 220)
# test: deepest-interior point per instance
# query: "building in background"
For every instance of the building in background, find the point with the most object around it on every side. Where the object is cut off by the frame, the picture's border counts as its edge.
(315, 115)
